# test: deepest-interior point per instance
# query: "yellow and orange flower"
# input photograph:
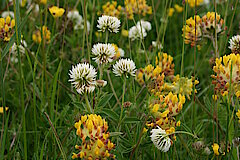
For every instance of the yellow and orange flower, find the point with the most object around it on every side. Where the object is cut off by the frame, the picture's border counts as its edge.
(95, 142)
(6, 28)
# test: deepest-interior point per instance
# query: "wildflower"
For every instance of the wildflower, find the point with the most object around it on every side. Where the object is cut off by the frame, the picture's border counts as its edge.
(178, 8)
(109, 23)
(208, 24)
(124, 67)
(46, 35)
(236, 141)
(56, 12)
(44, 2)
(172, 104)
(74, 16)
(235, 44)
(83, 77)
(7, 13)
(111, 9)
(192, 30)
(227, 68)
(238, 115)
(103, 53)
(215, 147)
(6, 28)
(165, 62)
(181, 85)
(101, 83)
(160, 139)
(193, 2)
(145, 24)
(170, 12)
(13, 50)
(137, 7)
(159, 46)
(1, 109)
(95, 142)
(137, 32)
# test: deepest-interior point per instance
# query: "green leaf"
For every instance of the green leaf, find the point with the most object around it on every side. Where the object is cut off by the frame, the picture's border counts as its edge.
(131, 120)
(105, 100)
(112, 134)
(54, 88)
(113, 115)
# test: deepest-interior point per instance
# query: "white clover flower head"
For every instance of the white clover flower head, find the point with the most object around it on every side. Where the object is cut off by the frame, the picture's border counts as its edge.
(21, 47)
(103, 53)
(145, 24)
(109, 23)
(74, 16)
(83, 77)
(124, 67)
(7, 13)
(137, 32)
(160, 139)
(235, 44)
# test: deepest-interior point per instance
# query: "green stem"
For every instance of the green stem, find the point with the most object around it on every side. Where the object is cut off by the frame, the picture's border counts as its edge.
(106, 38)
(124, 86)
(21, 81)
(89, 108)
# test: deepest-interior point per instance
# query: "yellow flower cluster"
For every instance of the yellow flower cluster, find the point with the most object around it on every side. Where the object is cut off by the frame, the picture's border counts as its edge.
(193, 2)
(95, 142)
(56, 12)
(111, 9)
(118, 52)
(137, 7)
(164, 67)
(181, 85)
(6, 28)
(227, 69)
(46, 34)
(198, 27)
(208, 23)
(168, 92)
(191, 31)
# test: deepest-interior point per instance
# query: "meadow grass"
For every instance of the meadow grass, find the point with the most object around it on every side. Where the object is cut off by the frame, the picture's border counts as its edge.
(43, 106)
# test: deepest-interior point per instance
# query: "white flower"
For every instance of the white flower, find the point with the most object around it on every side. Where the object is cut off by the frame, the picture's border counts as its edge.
(7, 13)
(159, 46)
(78, 20)
(14, 50)
(109, 23)
(160, 139)
(83, 77)
(124, 67)
(137, 32)
(80, 25)
(235, 44)
(145, 24)
(103, 53)
(74, 16)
